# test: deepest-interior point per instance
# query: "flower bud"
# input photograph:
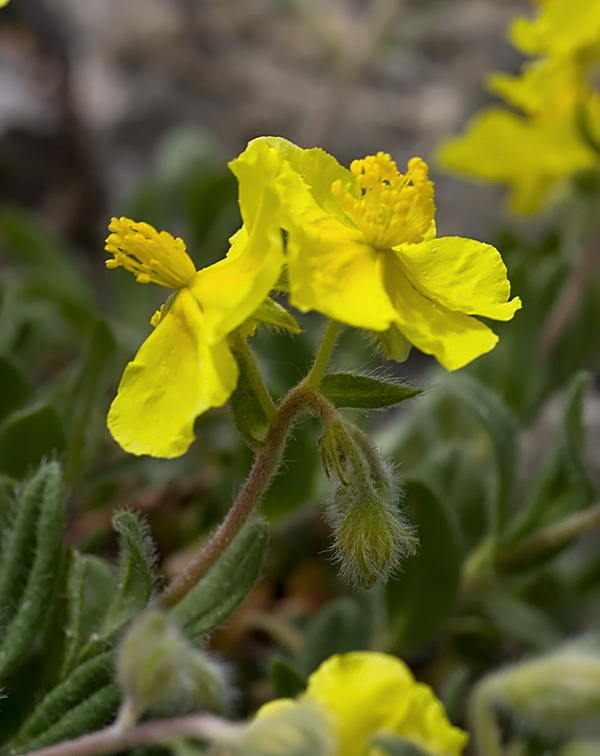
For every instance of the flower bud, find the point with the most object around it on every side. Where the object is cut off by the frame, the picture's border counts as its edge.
(370, 534)
(157, 663)
(556, 694)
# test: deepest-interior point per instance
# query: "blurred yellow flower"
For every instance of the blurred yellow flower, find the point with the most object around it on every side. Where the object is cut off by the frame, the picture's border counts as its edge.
(561, 27)
(362, 249)
(3, 3)
(185, 366)
(557, 132)
(364, 694)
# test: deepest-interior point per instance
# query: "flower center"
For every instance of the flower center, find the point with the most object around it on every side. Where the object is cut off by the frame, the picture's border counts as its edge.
(393, 208)
(151, 256)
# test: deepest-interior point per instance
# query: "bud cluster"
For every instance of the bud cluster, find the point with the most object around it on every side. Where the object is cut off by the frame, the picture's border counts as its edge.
(370, 534)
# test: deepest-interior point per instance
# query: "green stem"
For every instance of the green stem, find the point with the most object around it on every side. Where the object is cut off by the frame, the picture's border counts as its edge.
(317, 371)
(551, 537)
(299, 399)
(243, 352)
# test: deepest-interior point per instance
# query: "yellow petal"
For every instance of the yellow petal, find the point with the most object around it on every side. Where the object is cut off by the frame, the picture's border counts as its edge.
(333, 271)
(460, 274)
(232, 289)
(175, 376)
(453, 338)
(268, 158)
(372, 692)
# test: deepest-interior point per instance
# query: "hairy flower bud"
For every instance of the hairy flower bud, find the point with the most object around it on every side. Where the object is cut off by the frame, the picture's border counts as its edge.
(157, 663)
(555, 694)
(370, 534)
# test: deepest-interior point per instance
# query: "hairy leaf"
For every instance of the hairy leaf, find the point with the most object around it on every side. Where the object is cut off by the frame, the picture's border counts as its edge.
(227, 584)
(364, 392)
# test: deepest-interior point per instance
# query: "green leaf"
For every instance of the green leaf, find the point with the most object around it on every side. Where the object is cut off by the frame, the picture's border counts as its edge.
(88, 714)
(18, 543)
(29, 436)
(501, 424)
(136, 573)
(273, 314)
(364, 392)
(32, 608)
(342, 625)
(571, 439)
(395, 746)
(461, 482)
(91, 585)
(85, 396)
(286, 680)
(562, 485)
(84, 682)
(421, 597)
(227, 584)
(15, 388)
(521, 620)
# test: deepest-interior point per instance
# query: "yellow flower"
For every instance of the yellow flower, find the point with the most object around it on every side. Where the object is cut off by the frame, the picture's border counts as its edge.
(561, 27)
(364, 694)
(185, 365)
(532, 151)
(361, 248)
(529, 154)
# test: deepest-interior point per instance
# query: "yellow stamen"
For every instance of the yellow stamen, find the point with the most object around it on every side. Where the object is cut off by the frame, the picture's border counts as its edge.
(151, 256)
(393, 208)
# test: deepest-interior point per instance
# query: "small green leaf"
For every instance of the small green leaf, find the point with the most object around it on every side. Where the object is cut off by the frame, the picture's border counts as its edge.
(364, 392)
(15, 388)
(501, 424)
(342, 625)
(287, 681)
(422, 596)
(136, 573)
(32, 608)
(227, 584)
(29, 436)
(273, 314)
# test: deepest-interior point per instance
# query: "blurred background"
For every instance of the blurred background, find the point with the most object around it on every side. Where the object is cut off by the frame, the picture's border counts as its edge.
(96, 96)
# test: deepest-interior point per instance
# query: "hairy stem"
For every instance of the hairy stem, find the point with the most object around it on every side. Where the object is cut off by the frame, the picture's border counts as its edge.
(115, 739)
(299, 399)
